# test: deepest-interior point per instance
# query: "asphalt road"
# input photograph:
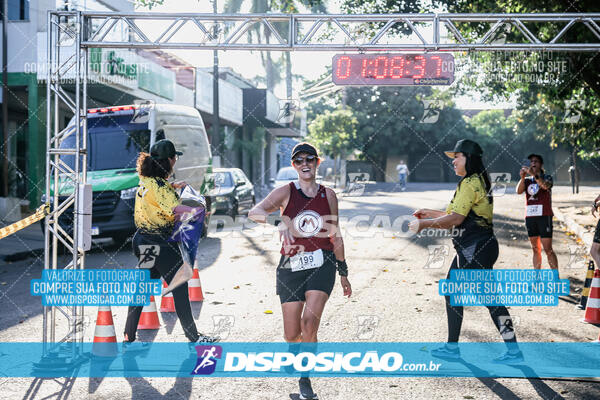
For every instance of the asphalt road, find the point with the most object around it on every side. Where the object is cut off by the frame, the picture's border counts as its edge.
(394, 283)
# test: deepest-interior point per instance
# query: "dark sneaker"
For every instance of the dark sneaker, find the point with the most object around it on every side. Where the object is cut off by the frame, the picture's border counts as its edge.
(306, 392)
(446, 353)
(510, 358)
(204, 339)
(207, 339)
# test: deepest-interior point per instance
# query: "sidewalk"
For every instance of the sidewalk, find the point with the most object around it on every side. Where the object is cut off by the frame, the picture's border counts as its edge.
(574, 210)
(28, 242)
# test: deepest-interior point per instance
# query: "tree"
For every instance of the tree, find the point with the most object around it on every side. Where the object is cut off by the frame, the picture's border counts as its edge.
(273, 69)
(542, 107)
(147, 3)
(334, 132)
(391, 123)
(289, 7)
(505, 137)
(273, 75)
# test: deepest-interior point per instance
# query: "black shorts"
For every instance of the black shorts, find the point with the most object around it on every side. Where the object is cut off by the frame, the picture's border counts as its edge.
(539, 226)
(291, 286)
(597, 233)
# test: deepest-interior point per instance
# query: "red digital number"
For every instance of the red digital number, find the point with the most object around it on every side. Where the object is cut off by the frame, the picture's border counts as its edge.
(395, 69)
(385, 69)
(363, 71)
(343, 73)
(438, 67)
(419, 66)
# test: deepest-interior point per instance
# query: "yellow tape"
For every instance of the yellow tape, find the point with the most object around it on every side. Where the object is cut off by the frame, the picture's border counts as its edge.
(40, 213)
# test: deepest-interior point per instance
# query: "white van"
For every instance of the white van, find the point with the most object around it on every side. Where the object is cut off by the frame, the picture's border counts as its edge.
(116, 135)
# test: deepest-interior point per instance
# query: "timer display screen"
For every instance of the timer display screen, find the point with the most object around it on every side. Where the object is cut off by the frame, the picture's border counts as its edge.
(393, 69)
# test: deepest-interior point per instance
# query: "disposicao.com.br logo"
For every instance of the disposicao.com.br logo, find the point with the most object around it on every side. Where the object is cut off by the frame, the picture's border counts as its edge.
(352, 362)
(336, 362)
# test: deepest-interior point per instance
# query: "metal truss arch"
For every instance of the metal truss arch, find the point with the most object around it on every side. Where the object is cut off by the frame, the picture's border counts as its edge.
(338, 32)
(71, 34)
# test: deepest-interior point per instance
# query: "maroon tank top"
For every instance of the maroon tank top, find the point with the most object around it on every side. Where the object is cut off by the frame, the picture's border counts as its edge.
(310, 217)
(534, 195)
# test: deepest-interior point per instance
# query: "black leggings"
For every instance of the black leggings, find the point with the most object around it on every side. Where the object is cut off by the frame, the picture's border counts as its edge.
(163, 259)
(479, 255)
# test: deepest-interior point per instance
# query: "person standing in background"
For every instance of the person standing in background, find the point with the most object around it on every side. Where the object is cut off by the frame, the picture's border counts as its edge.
(574, 175)
(402, 170)
(538, 216)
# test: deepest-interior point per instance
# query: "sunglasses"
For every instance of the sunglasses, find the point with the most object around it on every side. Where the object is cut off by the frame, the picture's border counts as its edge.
(300, 160)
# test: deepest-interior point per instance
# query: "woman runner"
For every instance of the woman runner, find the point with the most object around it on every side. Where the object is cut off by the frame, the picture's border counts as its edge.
(311, 252)
(471, 212)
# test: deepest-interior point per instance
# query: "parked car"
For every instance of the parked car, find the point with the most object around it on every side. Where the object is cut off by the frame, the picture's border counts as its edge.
(284, 176)
(233, 193)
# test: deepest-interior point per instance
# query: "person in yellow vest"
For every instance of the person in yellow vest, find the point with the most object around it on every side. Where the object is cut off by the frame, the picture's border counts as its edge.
(471, 212)
(156, 202)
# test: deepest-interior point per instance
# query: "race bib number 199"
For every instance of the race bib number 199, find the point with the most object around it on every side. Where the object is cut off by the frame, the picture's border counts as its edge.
(307, 260)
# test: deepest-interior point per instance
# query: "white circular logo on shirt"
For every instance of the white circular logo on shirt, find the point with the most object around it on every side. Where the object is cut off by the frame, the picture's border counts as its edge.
(533, 189)
(308, 223)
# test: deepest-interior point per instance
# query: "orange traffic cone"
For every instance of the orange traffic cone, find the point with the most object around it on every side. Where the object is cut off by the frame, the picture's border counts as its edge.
(592, 311)
(195, 288)
(167, 304)
(149, 317)
(105, 340)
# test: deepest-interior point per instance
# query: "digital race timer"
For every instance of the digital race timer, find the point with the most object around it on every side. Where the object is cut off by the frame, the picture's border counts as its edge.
(393, 69)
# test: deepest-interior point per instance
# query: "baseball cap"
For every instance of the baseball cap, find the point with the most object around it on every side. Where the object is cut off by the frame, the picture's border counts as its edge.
(465, 146)
(304, 147)
(536, 155)
(164, 149)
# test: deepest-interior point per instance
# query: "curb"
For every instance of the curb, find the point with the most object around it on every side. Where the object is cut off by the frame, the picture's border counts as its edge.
(585, 236)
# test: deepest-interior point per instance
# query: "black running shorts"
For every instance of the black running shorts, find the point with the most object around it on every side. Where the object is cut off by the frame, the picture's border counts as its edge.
(291, 286)
(597, 233)
(539, 226)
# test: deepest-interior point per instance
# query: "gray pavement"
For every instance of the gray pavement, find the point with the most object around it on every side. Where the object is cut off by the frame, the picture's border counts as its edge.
(392, 281)
(23, 244)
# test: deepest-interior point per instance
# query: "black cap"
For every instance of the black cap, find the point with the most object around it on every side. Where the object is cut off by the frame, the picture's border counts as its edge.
(536, 155)
(304, 147)
(164, 149)
(465, 146)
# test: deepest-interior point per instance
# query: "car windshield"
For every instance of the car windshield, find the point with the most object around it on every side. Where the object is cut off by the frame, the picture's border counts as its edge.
(113, 143)
(222, 179)
(287, 174)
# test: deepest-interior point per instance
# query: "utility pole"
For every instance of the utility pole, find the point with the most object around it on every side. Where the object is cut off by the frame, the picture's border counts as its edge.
(4, 100)
(216, 140)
